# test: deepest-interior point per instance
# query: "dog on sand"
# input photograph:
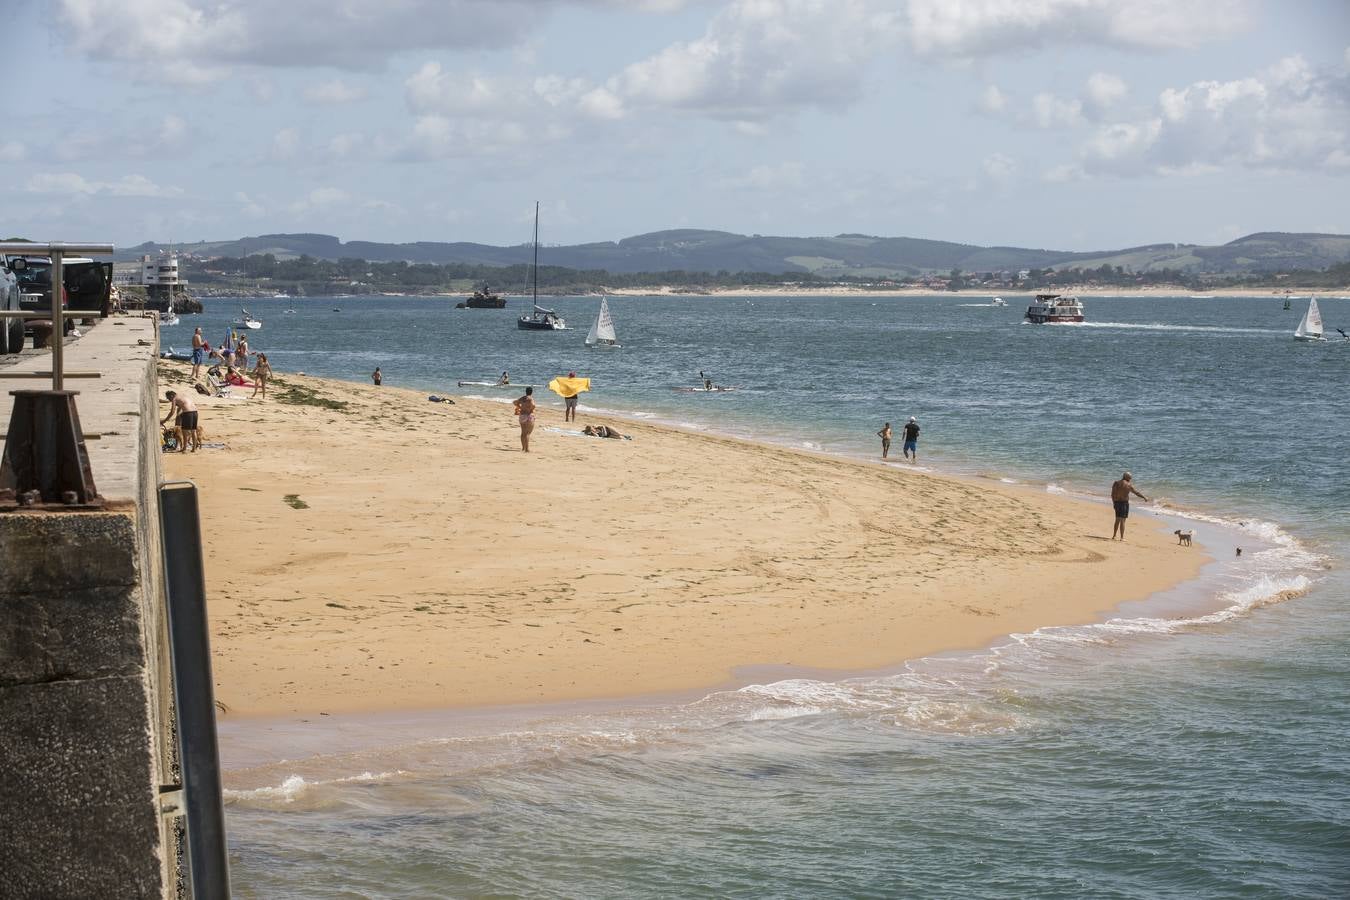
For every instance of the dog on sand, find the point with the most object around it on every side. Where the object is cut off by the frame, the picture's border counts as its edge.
(1184, 537)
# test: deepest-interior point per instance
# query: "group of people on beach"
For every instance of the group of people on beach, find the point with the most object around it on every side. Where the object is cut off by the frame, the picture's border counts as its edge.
(231, 363)
(910, 447)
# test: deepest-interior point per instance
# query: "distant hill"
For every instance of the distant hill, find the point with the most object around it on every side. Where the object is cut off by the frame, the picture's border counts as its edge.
(696, 250)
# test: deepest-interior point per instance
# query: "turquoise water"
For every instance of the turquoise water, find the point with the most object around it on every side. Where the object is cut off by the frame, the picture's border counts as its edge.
(1193, 745)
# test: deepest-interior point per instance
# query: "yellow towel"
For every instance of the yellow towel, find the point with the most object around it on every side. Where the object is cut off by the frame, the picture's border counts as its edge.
(569, 387)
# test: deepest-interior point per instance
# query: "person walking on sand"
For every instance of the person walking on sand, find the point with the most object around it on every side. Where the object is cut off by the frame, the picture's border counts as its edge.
(911, 446)
(377, 377)
(262, 372)
(198, 352)
(185, 426)
(524, 408)
(885, 435)
(1120, 499)
(241, 353)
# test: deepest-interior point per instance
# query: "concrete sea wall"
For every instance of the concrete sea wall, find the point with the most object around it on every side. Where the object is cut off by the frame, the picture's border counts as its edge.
(85, 685)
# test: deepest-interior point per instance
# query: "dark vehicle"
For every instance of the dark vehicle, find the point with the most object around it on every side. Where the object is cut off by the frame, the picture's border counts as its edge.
(88, 283)
(11, 330)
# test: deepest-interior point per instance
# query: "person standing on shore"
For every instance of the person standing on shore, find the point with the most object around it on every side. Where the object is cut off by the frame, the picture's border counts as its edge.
(198, 352)
(885, 435)
(911, 446)
(570, 403)
(524, 408)
(262, 372)
(377, 377)
(1120, 499)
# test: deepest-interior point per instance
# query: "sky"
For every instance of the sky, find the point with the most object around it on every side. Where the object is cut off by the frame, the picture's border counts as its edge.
(1065, 124)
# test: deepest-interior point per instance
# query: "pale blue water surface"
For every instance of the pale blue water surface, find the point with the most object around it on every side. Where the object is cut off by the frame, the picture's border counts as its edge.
(1195, 745)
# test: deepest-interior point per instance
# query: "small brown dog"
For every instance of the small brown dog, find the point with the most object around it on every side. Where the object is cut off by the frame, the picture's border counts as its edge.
(1184, 537)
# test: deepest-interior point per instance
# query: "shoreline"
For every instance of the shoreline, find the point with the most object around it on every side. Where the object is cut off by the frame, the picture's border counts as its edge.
(1096, 293)
(261, 593)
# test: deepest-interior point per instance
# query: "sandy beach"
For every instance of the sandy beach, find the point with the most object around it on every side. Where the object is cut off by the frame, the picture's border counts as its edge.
(367, 549)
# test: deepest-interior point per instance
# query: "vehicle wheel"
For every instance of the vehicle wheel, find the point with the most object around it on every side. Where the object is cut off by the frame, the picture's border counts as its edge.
(11, 336)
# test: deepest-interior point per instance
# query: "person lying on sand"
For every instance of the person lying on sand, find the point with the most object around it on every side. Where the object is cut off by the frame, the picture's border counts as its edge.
(604, 431)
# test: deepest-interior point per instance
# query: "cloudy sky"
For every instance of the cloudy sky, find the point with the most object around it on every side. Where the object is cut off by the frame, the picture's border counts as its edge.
(1074, 124)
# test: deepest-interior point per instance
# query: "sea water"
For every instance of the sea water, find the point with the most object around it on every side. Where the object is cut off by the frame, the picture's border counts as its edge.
(1193, 744)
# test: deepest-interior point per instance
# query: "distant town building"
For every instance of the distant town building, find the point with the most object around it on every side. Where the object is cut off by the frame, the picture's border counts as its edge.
(158, 274)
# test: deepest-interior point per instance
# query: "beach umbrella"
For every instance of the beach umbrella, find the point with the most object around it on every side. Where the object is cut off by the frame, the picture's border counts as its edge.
(569, 386)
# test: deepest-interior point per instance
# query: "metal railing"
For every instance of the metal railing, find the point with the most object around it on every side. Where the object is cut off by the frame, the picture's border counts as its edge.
(57, 252)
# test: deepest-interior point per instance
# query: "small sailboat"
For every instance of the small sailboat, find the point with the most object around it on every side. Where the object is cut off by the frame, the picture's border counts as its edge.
(168, 317)
(246, 320)
(602, 331)
(1310, 329)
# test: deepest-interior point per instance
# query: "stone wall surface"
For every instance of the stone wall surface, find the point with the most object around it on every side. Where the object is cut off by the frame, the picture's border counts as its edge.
(85, 687)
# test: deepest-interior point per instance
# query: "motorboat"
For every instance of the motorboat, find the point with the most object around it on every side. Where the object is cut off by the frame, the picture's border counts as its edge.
(998, 301)
(483, 299)
(1050, 309)
(246, 320)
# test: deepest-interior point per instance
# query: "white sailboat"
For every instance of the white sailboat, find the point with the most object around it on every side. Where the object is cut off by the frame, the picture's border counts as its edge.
(1310, 329)
(602, 330)
(246, 320)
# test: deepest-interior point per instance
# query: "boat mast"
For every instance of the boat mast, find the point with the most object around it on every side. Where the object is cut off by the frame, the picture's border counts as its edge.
(535, 279)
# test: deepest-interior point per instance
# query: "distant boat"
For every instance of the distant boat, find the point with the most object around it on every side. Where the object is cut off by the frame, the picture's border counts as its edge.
(1287, 304)
(1202, 296)
(998, 301)
(1054, 308)
(169, 317)
(246, 320)
(483, 299)
(1310, 329)
(540, 319)
(602, 331)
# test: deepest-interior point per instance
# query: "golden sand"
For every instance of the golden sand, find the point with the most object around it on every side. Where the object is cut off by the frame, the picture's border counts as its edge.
(399, 554)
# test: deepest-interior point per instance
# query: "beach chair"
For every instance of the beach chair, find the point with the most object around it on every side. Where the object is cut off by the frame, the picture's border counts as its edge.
(218, 385)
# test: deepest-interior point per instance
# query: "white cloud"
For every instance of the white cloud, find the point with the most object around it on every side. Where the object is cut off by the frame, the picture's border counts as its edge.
(347, 145)
(194, 41)
(992, 100)
(758, 58)
(601, 104)
(319, 199)
(1104, 91)
(1049, 111)
(12, 151)
(1290, 116)
(248, 206)
(285, 144)
(784, 176)
(334, 92)
(74, 184)
(999, 168)
(969, 28)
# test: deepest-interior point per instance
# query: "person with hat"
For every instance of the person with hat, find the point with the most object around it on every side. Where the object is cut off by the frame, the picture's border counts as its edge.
(911, 446)
(1120, 499)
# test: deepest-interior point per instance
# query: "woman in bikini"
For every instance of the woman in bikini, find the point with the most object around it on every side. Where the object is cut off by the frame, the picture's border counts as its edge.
(261, 373)
(525, 413)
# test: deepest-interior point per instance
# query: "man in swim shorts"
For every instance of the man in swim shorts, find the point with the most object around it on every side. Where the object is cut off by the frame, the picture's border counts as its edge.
(186, 423)
(524, 408)
(911, 446)
(1120, 499)
(885, 435)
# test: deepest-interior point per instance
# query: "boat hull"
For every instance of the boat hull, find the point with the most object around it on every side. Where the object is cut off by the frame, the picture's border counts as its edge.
(485, 303)
(1051, 320)
(526, 323)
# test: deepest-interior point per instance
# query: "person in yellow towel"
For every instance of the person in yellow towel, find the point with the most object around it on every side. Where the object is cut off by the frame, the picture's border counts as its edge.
(569, 389)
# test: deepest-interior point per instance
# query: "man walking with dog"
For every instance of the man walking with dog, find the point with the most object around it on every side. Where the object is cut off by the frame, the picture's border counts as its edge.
(1120, 499)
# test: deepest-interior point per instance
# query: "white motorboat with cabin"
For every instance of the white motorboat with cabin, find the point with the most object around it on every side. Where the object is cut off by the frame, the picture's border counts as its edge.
(998, 301)
(1050, 309)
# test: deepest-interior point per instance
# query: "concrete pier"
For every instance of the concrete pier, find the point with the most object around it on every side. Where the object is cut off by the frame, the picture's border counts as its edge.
(85, 684)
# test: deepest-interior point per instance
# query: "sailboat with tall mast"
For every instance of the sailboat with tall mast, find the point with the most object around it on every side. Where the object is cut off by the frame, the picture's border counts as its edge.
(539, 319)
